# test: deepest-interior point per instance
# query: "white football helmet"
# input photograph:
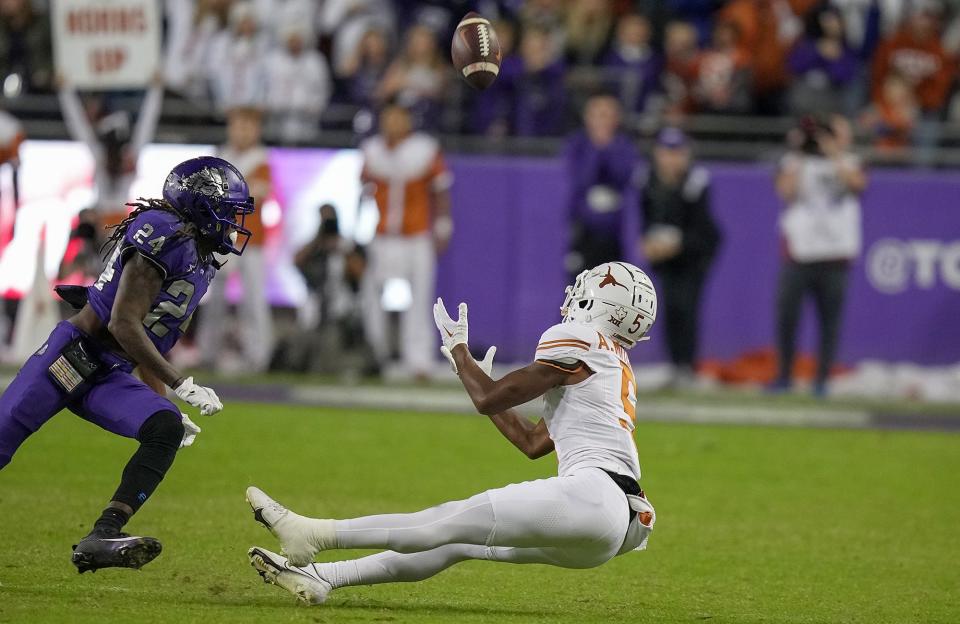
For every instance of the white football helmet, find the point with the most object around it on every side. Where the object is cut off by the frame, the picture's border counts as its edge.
(616, 298)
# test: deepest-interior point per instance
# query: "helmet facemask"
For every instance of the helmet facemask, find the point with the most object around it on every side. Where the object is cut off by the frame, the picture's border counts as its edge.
(225, 225)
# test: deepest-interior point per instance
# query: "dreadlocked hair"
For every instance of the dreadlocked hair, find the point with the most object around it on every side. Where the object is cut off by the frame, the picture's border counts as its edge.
(139, 207)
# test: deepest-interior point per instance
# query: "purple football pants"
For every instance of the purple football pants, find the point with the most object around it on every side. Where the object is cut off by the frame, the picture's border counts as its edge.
(117, 402)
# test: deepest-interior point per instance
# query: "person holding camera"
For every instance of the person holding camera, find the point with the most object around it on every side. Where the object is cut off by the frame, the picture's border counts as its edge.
(821, 182)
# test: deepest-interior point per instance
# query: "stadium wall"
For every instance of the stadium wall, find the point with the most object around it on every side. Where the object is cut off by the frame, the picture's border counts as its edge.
(506, 258)
(903, 302)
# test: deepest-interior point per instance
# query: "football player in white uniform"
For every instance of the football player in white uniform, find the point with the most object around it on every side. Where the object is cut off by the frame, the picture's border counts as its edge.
(592, 511)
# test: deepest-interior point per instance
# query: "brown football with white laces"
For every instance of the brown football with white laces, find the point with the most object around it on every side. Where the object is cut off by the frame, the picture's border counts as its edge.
(476, 51)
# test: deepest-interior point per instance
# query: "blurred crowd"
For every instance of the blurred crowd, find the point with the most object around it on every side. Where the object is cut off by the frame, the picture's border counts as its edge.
(888, 64)
(271, 67)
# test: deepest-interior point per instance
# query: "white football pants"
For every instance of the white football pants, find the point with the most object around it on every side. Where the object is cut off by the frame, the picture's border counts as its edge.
(575, 521)
(414, 259)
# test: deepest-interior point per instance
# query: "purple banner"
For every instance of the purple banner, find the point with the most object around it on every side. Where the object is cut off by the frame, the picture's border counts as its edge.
(903, 302)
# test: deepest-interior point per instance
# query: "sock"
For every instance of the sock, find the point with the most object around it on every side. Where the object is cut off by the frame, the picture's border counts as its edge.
(159, 438)
(111, 520)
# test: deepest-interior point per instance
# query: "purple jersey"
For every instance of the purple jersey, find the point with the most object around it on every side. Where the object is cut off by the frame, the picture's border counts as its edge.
(156, 235)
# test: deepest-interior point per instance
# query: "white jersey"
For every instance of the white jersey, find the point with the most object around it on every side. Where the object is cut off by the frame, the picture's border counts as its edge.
(823, 222)
(591, 423)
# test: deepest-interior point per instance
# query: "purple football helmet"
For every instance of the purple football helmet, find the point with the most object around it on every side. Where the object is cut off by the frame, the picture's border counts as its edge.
(215, 197)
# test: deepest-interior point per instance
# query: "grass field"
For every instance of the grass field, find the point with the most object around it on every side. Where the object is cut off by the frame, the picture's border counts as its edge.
(754, 524)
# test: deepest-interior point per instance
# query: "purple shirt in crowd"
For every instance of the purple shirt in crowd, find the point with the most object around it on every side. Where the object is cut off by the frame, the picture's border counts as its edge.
(589, 167)
(539, 101)
(157, 236)
(805, 57)
(635, 79)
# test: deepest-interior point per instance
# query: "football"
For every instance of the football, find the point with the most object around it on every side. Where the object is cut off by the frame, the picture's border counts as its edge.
(476, 51)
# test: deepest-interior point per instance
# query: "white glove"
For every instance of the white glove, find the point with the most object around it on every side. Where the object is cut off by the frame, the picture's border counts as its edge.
(198, 396)
(190, 430)
(486, 364)
(452, 332)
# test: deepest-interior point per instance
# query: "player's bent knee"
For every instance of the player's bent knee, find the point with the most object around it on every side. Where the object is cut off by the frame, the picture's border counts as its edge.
(163, 428)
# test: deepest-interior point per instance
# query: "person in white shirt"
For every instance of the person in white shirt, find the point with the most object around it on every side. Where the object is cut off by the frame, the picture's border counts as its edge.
(820, 182)
(299, 85)
(236, 68)
(591, 512)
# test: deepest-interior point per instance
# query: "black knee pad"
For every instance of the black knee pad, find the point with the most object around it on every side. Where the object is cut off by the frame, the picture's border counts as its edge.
(164, 427)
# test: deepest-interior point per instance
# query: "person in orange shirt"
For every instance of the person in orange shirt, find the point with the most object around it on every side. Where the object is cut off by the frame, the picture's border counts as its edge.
(767, 30)
(723, 74)
(893, 119)
(247, 153)
(406, 175)
(915, 52)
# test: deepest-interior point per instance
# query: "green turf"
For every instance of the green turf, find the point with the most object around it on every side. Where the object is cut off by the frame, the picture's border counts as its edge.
(754, 524)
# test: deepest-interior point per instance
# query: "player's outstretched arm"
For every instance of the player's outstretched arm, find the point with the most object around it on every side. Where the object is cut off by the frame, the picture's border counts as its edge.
(516, 388)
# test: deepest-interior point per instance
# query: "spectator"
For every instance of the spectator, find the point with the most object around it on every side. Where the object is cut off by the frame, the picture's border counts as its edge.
(406, 173)
(633, 62)
(299, 87)
(893, 118)
(333, 268)
(238, 72)
(820, 182)
(416, 79)
(680, 72)
(546, 16)
(192, 28)
(767, 30)
(493, 107)
(26, 54)
(246, 152)
(680, 239)
(822, 64)
(539, 96)
(365, 69)
(346, 21)
(272, 15)
(314, 259)
(697, 13)
(723, 74)
(11, 137)
(600, 160)
(916, 54)
(588, 27)
(115, 149)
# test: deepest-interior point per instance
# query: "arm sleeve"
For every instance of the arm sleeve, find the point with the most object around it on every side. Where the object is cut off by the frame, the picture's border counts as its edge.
(74, 117)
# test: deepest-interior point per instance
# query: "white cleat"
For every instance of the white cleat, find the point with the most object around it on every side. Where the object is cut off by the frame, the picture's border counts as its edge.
(300, 538)
(305, 583)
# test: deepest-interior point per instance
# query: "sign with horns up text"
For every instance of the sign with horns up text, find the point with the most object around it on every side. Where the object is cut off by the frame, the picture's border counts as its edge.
(106, 44)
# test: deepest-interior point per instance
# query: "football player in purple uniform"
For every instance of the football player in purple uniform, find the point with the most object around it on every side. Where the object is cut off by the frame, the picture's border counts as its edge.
(160, 265)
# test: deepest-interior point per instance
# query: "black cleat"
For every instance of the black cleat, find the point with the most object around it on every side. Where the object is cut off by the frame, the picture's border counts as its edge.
(102, 549)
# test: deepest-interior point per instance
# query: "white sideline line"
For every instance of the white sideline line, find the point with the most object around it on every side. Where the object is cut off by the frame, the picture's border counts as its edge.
(657, 410)
(393, 398)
